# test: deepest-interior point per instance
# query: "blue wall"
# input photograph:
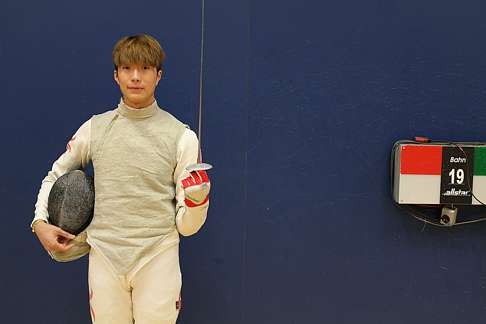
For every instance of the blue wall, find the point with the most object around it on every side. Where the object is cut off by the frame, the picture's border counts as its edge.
(303, 100)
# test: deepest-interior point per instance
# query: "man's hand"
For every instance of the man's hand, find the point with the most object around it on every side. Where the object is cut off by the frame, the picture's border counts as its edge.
(196, 188)
(53, 238)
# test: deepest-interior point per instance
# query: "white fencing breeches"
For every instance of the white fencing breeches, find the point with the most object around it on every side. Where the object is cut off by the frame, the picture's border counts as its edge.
(149, 296)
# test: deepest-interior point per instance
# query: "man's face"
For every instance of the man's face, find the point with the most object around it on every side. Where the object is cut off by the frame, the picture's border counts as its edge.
(137, 83)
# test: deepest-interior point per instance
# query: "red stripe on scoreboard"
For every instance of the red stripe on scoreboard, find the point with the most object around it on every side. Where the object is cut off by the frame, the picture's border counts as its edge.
(421, 159)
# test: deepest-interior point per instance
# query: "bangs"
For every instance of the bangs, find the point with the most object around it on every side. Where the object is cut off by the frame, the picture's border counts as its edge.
(136, 55)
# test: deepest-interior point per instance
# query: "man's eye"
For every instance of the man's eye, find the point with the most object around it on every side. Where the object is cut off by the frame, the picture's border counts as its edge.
(125, 67)
(146, 67)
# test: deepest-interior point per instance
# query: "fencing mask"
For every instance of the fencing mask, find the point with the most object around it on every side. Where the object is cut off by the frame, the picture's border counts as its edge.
(70, 207)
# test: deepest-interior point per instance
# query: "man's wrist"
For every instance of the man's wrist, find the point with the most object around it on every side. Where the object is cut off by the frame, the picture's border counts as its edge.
(36, 222)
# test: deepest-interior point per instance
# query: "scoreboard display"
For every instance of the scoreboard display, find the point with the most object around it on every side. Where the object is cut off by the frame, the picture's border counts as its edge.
(439, 173)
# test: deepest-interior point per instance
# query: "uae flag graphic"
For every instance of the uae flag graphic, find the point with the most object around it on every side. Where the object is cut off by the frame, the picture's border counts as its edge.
(441, 174)
(479, 179)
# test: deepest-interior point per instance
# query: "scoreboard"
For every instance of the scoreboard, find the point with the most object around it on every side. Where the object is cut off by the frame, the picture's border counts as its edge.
(439, 173)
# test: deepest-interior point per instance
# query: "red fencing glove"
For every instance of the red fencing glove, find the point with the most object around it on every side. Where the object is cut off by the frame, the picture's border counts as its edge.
(196, 188)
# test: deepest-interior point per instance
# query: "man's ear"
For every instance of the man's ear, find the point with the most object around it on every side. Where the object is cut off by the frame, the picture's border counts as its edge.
(115, 76)
(159, 76)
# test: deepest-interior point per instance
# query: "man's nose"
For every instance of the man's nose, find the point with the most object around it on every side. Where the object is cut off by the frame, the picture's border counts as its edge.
(135, 75)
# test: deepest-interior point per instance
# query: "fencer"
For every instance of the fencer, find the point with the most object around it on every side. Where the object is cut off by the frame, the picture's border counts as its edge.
(144, 196)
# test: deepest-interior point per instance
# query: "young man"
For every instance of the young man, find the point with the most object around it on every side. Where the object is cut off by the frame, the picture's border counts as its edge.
(139, 154)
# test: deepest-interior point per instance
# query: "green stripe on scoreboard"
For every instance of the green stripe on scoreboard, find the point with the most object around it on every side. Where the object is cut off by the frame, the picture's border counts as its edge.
(480, 161)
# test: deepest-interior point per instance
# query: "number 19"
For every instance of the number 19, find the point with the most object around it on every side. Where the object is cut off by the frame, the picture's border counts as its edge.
(458, 176)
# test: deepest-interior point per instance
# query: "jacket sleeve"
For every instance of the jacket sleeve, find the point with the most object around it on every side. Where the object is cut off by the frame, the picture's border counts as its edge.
(188, 220)
(77, 155)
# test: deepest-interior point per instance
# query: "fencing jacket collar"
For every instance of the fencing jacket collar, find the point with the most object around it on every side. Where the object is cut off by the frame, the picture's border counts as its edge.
(129, 112)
